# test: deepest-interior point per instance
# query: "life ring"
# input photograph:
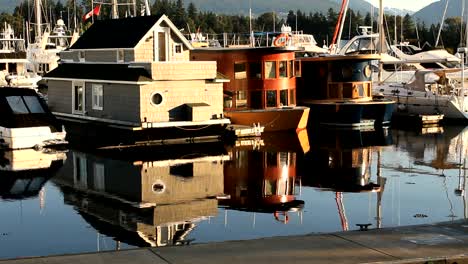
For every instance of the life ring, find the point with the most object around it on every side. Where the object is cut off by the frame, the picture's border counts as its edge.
(281, 40)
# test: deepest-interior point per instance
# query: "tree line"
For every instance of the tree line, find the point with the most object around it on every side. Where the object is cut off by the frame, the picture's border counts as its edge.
(189, 19)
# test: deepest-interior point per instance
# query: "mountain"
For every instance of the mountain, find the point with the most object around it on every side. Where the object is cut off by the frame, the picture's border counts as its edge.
(432, 14)
(8, 5)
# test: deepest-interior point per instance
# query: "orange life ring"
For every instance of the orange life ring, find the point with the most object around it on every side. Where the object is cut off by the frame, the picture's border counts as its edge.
(281, 40)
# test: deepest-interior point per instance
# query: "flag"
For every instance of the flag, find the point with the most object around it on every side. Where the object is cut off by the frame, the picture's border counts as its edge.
(95, 11)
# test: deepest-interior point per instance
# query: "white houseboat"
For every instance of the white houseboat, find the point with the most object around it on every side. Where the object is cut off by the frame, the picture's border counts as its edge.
(131, 80)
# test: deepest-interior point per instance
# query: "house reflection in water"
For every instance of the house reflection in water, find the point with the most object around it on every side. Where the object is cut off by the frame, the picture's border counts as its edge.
(342, 164)
(143, 201)
(262, 176)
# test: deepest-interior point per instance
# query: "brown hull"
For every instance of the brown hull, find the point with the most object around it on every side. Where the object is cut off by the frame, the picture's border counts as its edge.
(277, 119)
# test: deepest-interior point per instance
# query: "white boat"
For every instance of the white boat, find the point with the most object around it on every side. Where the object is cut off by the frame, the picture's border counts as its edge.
(13, 62)
(428, 92)
(43, 52)
(26, 121)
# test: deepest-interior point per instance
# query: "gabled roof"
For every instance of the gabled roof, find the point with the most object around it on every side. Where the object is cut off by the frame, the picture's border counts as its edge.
(115, 33)
(122, 33)
(103, 72)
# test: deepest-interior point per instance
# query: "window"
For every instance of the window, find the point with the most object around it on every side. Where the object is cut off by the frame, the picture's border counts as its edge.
(183, 170)
(97, 97)
(271, 98)
(33, 104)
(156, 98)
(291, 69)
(270, 69)
(99, 177)
(81, 55)
(283, 69)
(120, 56)
(177, 48)
(283, 97)
(227, 99)
(241, 98)
(255, 70)
(78, 97)
(297, 68)
(25, 105)
(292, 97)
(256, 100)
(16, 104)
(240, 71)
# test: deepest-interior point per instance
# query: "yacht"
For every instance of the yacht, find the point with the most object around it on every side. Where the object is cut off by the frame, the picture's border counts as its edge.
(26, 121)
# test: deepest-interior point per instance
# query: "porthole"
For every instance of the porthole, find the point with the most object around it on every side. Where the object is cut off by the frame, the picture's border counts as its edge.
(157, 98)
(347, 72)
(367, 71)
(158, 187)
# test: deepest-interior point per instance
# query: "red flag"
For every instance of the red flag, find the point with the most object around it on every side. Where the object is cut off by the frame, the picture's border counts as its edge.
(95, 11)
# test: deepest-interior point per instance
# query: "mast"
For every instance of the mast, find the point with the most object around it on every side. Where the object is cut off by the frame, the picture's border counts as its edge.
(345, 11)
(381, 36)
(115, 13)
(37, 10)
(442, 23)
(250, 24)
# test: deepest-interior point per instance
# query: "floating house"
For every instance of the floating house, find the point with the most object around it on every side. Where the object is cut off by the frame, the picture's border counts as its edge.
(262, 87)
(338, 90)
(130, 80)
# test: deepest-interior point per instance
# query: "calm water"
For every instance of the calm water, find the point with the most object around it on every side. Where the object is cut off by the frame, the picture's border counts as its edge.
(282, 184)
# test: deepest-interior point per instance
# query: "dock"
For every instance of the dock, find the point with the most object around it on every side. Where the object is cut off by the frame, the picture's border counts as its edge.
(241, 131)
(431, 243)
(420, 120)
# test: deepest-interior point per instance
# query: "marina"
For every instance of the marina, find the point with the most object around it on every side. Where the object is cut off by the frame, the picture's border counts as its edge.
(135, 135)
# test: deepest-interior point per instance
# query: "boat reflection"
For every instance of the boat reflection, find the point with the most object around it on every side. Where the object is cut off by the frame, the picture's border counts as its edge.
(342, 161)
(141, 198)
(24, 172)
(261, 175)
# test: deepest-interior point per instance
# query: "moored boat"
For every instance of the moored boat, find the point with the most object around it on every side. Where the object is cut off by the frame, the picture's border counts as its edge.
(26, 121)
(262, 87)
(338, 90)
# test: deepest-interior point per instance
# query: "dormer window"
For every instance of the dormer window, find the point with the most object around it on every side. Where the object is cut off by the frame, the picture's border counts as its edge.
(120, 56)
(177, 48)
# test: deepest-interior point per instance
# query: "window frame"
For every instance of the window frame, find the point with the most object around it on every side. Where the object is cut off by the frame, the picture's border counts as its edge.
(95, 103)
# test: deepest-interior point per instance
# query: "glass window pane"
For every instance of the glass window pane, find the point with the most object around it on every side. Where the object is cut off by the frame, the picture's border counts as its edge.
(33, 104)
(79, 98)
(227, 99)
(240, 71)
(256, 100)
(255, 70)
(292, 97)
(283, 69)
(291, 68)
(271, 98)
(297, 68)
(17, 105)
(241, 98)
(283, 97)
(270, 69)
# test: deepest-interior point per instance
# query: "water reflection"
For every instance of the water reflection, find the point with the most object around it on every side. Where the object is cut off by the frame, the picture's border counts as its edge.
(141, 199)
(261, 175)
(23, 173)
(281, 184)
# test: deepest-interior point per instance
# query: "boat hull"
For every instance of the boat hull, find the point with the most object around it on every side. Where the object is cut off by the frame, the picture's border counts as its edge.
(350, 114)
(275, 119)
(30, 137)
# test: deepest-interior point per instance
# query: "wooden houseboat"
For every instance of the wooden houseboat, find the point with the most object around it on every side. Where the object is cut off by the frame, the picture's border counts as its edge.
(338, 90)
(130, 80)
(26, 121)
(262, 87)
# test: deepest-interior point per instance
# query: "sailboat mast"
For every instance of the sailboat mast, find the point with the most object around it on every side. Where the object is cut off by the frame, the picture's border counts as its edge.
(345, 11)
(381, 36)
(441, 24)
(37, 10)
(115, 13)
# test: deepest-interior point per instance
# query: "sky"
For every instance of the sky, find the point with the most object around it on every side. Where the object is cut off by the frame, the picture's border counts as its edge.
(413, 5)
